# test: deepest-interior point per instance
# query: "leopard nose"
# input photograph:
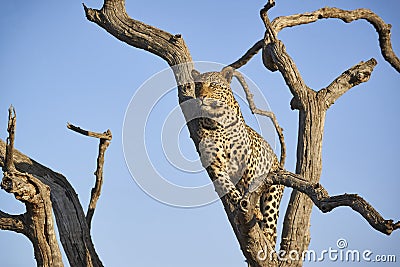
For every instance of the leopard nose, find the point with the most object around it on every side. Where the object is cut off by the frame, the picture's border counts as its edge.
(200, 100)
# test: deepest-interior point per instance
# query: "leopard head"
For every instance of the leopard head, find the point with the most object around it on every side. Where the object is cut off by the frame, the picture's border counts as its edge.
(214, 98)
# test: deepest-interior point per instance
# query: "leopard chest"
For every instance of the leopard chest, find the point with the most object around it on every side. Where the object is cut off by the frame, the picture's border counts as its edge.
(231, 144)
(239, 149)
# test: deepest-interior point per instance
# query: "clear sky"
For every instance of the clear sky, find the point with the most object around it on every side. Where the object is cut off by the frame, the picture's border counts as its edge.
(55, 66)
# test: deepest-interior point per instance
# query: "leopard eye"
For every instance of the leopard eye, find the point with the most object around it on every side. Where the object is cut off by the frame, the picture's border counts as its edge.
(214, 84)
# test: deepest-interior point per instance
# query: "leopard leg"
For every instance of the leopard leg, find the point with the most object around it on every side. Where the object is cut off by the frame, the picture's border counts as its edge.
(214, 160)
(269, 204)
(222, 183)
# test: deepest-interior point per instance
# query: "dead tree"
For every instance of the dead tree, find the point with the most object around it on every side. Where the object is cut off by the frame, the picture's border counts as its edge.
(311, 104)
(44, 191)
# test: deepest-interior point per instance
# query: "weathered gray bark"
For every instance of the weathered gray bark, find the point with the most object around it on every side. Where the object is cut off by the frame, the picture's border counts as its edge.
(54, 193)
(105, 139)
(37, 222)
(325, 203)
(43, 190)
(312, 106)
(113, 18)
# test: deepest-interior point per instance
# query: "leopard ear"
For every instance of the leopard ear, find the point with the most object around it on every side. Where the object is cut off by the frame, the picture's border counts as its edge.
(227, 73)
(195, 74)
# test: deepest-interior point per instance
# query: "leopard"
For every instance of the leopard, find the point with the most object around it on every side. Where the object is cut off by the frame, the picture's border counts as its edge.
(232, 152)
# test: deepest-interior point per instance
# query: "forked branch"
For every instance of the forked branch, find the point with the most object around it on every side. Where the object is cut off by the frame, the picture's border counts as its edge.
(317, 193)
(72, 227)
(347, 16)
(114, 19)
(275, 57)
(105, 139)
(355, 75)
(37, 223)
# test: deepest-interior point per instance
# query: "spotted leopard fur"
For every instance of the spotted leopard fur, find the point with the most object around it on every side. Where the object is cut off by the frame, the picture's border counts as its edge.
(231, 151)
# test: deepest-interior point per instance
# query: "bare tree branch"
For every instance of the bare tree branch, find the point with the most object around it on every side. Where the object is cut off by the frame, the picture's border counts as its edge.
(380, 26)
(39, 216)
(8, 221)
(105, 139)
(12, 118)
(317, 193)
(96, 190)
(276, 57)
(12, 222)
(72, 226)
(267, 60)
(268, 114)
(357, 74)
(106, 135)
(312, 107)
(248, 55)
(348, 16)
(113, 18)
(172, 48)
(38, 226)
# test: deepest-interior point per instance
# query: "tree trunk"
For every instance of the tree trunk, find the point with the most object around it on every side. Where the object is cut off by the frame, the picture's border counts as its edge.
(296, 235)
(44, 191)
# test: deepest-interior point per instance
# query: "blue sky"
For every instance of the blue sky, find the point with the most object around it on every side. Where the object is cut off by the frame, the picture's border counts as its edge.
(55, 67)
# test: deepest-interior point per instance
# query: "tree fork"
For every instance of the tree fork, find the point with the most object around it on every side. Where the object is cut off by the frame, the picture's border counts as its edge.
(67, 209)
(37, 222)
